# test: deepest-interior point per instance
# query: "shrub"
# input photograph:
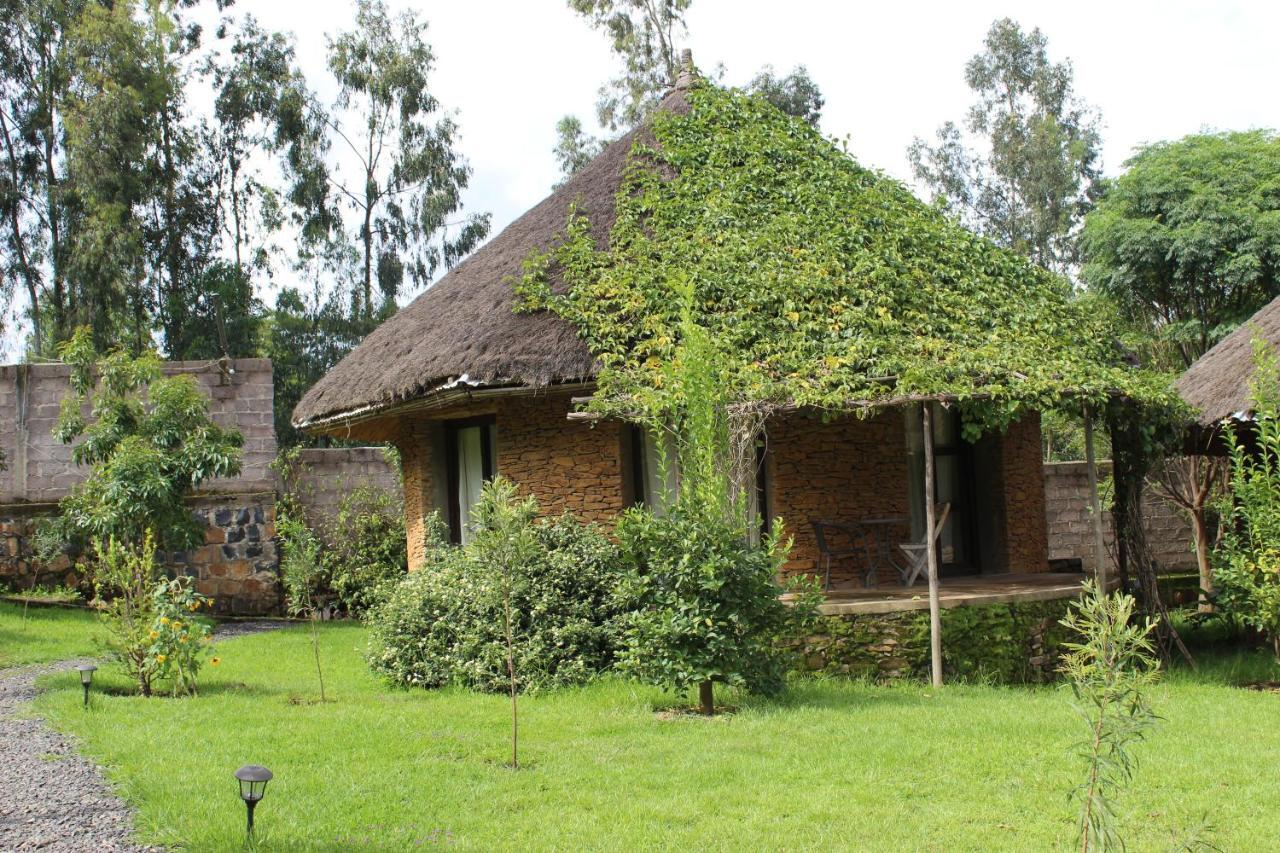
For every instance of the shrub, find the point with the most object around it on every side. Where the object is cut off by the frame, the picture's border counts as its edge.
(1247, 559)
(152, 625)
(349, 558)
(366, 548)
(444, 623)
(702, 604)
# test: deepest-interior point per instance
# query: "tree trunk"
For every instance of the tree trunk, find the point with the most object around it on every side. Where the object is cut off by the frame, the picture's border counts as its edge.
(1200, 533)
(706, 698)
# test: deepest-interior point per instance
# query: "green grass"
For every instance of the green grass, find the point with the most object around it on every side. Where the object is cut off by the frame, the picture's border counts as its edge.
(834, 765)
(45, 634)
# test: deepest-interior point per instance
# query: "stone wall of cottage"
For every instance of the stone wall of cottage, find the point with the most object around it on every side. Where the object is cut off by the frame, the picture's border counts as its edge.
(1026, 536)
(1070, 525)
(842, 470)
(567, 466)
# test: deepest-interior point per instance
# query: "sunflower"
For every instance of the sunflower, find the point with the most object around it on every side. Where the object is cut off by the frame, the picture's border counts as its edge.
(160, 658)
(215, 661)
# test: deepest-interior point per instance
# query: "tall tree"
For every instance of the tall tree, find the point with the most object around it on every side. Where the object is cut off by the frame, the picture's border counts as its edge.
(1187, 240)
(647, 36)
(34, 75)
(1023, 169)
(408, 178)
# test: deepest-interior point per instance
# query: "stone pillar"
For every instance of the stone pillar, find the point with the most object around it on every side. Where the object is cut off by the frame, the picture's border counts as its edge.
(416, 464)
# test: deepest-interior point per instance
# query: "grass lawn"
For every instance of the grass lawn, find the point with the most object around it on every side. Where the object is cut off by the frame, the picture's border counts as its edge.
(836, 764)
(45, 634)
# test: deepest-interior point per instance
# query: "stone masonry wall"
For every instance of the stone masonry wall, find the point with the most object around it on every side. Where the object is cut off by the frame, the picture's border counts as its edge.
(1022, 474)
(567, 466)
(841, 471)
(1070, 530)
(327, 474)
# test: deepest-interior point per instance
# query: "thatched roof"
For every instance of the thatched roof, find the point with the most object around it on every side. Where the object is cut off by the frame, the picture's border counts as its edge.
(463, 329)
(1217, 384)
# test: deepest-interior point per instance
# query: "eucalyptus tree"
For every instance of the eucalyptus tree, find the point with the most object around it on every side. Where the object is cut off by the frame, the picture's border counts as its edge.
(1023, 169)
(408, 178)
(34, 75)
(647, 35)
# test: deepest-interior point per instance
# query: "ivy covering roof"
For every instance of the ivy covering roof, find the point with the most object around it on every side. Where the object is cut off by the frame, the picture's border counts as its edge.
(822, 284)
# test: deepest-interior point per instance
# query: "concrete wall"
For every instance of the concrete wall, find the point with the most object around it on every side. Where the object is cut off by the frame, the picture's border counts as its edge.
(40, 469)
(1066, 487)
(326, 474)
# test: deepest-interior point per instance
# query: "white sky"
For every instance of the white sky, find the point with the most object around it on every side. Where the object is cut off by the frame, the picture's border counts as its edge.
(889, 70)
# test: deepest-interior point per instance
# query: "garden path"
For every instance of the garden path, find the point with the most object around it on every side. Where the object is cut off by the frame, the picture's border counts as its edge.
(51, 798)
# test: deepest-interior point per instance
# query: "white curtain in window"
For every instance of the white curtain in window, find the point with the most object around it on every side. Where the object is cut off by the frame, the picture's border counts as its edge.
(470, 474)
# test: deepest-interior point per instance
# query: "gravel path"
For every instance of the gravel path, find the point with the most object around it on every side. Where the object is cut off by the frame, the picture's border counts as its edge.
(50, 797)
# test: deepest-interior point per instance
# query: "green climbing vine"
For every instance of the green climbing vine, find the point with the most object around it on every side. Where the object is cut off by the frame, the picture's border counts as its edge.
(819, 283)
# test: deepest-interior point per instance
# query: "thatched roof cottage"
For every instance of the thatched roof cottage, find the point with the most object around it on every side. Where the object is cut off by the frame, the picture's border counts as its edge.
(466, 387)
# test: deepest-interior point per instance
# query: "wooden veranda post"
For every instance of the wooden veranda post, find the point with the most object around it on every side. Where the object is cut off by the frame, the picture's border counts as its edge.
(930, 519)
(1095, 504)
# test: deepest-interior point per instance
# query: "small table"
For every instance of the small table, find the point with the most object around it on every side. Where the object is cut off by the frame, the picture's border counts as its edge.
(881, 531)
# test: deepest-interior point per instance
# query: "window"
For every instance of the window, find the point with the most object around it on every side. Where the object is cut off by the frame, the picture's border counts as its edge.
(471, 461)
(653, 476)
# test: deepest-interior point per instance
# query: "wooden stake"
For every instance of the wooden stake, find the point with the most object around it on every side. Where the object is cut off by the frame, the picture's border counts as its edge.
(1095, 504)
(930, 519)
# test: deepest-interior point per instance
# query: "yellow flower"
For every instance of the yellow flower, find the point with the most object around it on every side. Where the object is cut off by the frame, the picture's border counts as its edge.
(182, 639)
(164, 620)
(193, 605)
(159, 658)
(155, 634)
(209, 602)
(215, 661)
(177, 625)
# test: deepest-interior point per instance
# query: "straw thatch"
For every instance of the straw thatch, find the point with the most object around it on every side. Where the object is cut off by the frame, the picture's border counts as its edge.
(464, 325)
(1217, 384)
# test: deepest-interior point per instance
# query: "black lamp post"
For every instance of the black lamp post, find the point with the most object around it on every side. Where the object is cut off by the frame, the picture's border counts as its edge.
(86, 671)
(253, 784)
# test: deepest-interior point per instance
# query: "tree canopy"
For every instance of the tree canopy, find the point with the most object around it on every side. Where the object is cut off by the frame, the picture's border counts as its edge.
(1187, 240)
(1022, 171)
(821, 283)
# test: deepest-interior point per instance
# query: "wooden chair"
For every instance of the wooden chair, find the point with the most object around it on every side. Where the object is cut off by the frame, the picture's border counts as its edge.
(856, 543)
(917, 553)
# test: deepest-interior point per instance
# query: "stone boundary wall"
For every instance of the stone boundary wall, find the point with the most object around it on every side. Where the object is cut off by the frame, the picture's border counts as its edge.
(1066, 491)
(327, 474)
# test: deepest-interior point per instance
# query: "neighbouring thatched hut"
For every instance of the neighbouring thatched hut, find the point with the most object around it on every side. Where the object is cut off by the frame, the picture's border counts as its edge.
(1217, 385)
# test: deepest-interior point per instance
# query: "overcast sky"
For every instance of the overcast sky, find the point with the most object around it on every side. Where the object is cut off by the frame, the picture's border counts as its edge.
(889, 70)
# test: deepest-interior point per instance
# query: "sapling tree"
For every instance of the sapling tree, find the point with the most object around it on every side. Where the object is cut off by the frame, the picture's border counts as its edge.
(505, 540)
(148, 442)
(1108, 668)
(301, 563)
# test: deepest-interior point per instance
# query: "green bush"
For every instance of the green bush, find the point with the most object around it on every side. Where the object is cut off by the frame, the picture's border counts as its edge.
(701, 604)
(350, 559)
(443, 624)
(1246, 562)
(366, 548)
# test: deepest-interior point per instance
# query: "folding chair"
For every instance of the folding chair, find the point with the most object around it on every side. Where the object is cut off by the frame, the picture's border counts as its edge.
(917, 553)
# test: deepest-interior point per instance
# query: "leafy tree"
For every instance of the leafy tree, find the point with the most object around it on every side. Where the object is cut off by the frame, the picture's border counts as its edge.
(409, 178)
(1022, 171)
(34, 77)
(575, 147)
(148, 443)
(796, 94)
(305, 337)
(1187, 240)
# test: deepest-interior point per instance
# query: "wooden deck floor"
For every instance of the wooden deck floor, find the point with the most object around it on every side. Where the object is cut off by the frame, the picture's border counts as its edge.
(954, 592)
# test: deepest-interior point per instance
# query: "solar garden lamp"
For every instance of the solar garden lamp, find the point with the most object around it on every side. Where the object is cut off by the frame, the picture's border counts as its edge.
(253, 784)
(86, 671)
